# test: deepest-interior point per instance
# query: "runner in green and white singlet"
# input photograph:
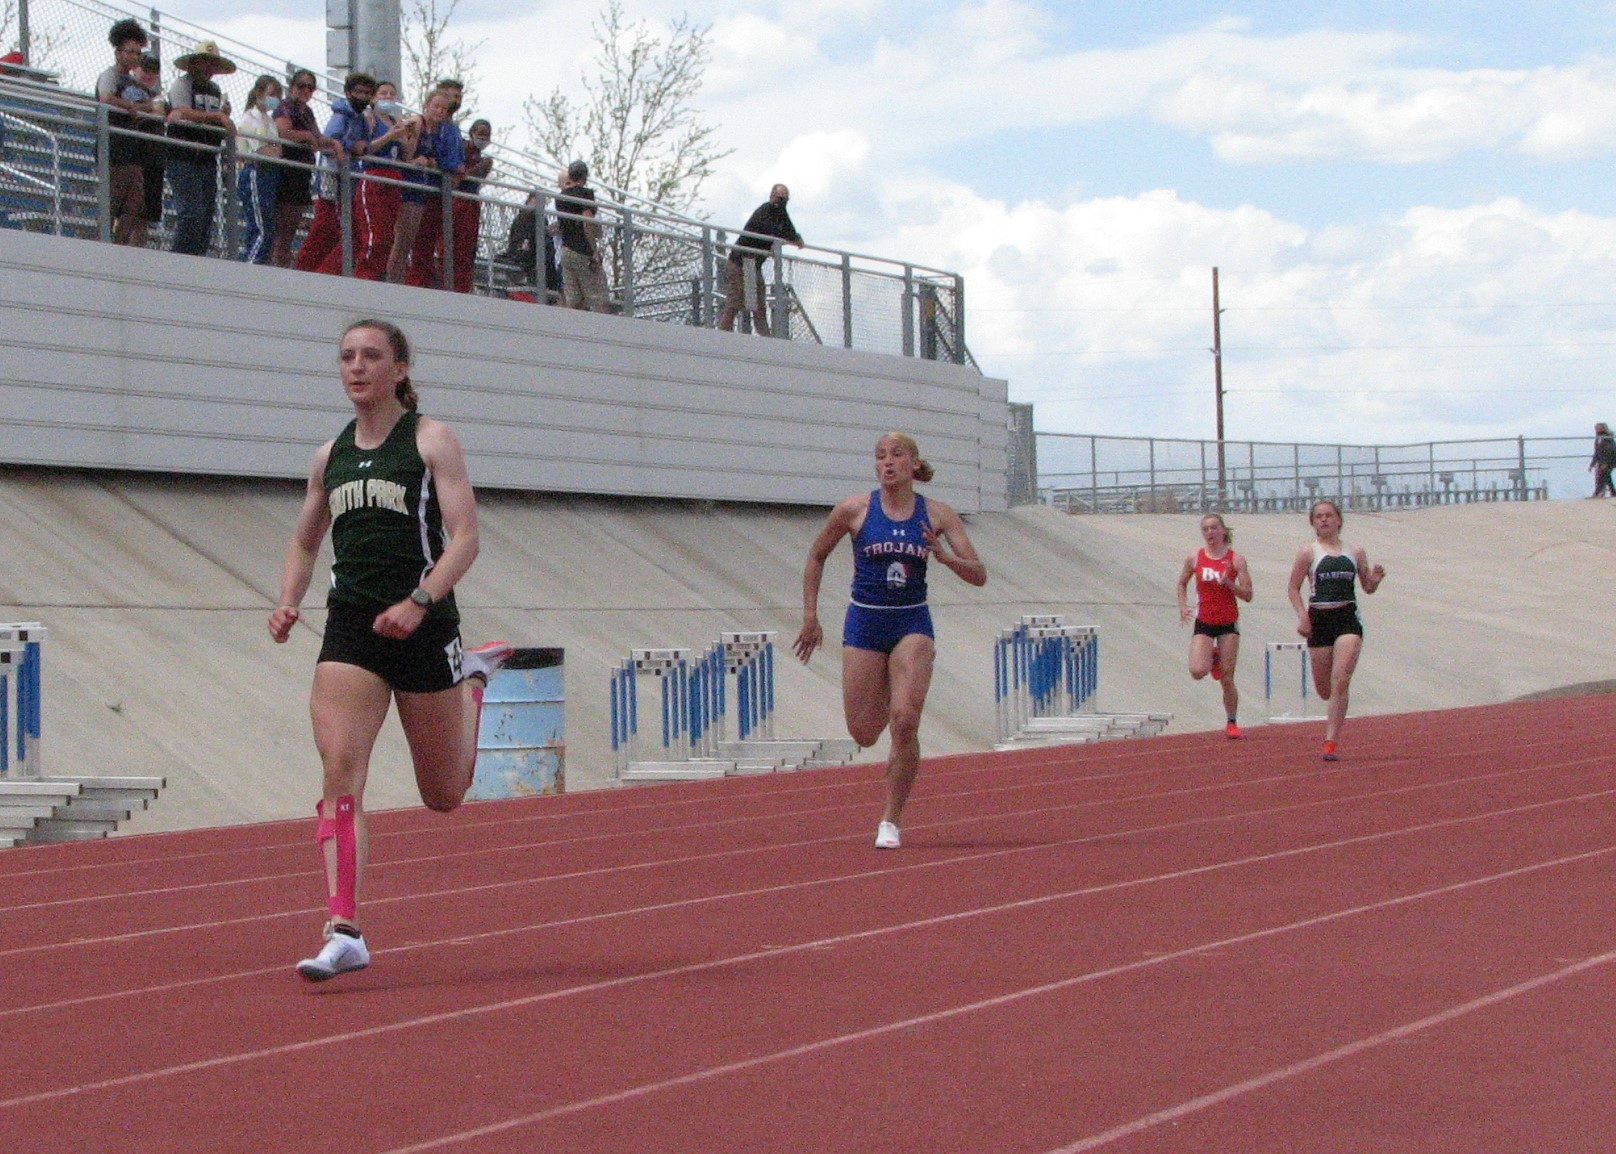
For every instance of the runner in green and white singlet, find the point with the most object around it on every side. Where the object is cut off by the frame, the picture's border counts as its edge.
(394, 491)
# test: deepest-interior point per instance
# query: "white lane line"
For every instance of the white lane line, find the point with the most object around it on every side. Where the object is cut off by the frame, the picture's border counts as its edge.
(697, 1076)
(1110, 835)
(468, 1012)
(563, 843)
(1131, 754)
(1351, 1049)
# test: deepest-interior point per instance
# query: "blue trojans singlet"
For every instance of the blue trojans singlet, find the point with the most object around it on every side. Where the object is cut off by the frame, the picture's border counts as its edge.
(889, 558)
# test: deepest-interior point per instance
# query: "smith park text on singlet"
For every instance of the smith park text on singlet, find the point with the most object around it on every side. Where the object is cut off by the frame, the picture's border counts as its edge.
(1334, 576)
(386, 527)
(889, 558)
(1215, 603)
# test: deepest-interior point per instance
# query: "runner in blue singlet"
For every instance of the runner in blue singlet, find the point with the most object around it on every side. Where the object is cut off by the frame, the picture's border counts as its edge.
(887, 641)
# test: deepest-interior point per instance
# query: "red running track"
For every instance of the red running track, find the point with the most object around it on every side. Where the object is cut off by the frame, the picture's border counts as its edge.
(1178, 944)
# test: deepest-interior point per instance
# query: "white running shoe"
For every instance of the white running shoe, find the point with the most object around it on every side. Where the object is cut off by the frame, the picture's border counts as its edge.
(340, 954)
(485, 659)
(886, 836)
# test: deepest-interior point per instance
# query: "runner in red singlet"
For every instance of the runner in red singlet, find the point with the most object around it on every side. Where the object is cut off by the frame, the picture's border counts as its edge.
(1220, 576)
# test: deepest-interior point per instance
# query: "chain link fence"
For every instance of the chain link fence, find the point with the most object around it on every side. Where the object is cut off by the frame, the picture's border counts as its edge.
(1088, 474)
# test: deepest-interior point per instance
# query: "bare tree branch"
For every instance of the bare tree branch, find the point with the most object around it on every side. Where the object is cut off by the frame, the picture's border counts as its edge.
(430, 53)
(636, 123)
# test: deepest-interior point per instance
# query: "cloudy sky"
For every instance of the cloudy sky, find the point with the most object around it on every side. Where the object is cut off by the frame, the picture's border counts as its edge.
(1410, 204)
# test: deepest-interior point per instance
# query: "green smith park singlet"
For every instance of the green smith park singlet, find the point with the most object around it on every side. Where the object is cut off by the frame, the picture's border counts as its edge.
(386, 526)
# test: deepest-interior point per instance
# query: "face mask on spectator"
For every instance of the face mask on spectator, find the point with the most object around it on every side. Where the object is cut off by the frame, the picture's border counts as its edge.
(480, 141)
(358, 103)
(390, 107)
(271, 103)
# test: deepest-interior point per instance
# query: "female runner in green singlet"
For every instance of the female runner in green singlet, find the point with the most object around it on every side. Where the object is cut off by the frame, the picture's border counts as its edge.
(1329, 619)
(394, 492)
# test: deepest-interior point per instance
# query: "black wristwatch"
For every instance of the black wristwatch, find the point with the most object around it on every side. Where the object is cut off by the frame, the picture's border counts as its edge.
(421, 597)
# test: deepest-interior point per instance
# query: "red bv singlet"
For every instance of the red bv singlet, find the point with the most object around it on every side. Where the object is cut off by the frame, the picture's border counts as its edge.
(1215, 601)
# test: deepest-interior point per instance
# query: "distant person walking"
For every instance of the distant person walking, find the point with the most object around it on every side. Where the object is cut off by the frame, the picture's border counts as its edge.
(393, 490)
(1604, 460)
(1222, 580)
(1329, 619)
(887, 639)
(769, 225)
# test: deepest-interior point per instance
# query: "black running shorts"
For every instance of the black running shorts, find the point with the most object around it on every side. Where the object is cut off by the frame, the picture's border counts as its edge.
(1328, 624)
(427, 661)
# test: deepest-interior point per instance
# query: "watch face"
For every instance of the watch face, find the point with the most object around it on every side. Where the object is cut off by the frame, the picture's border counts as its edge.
(421, 597)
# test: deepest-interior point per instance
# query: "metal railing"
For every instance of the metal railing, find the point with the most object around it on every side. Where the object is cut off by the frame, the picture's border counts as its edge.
(17, 180)
(1087, 474)
(661, 265)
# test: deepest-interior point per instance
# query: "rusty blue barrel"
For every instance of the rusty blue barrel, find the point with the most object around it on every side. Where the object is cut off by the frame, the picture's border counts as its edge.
(521, 747)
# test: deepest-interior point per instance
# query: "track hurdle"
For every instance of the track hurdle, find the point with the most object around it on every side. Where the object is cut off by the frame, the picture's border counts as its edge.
(671, 669)
(749, 659)
(1044, 668)
(21, 698)
(690, 692)
(1274, 655)
(694, 698)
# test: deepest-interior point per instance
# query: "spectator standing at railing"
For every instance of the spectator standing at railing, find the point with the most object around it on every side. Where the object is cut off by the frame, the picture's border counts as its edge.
(769, 225)
(153, 152)
(468, 212)
(321, 250)
(257, 141)
(434, 147)
(300, 139)
(443, 151)
(583, 276)
(124, 96)
(1604, 460)
(198, 121)
(377, 138)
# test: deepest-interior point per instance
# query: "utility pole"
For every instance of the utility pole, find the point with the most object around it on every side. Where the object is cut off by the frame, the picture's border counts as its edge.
(1217, 381)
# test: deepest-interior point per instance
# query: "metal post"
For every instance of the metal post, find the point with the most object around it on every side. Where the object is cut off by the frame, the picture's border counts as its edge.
(446, 236)
(345, 215)
(781, 320)
(959, 319)
(230, 234)
(541, 262)
(705, 316)
(156, 44)
(626, 231)
(103, 171)
(847, 300)
(908, 310)
(23, 38)
(1094, 475)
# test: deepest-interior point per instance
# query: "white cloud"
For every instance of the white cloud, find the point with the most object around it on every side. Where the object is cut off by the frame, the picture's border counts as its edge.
(1428, 322)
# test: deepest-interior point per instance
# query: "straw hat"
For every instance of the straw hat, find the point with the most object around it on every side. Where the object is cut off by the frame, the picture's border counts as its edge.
(207, 50)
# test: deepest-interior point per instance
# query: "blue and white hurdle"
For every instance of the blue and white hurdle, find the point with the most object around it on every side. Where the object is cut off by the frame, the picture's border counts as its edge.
(1276, 683)
(694, 699)
(21, 698)
(1044, 668)
(749, 659)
